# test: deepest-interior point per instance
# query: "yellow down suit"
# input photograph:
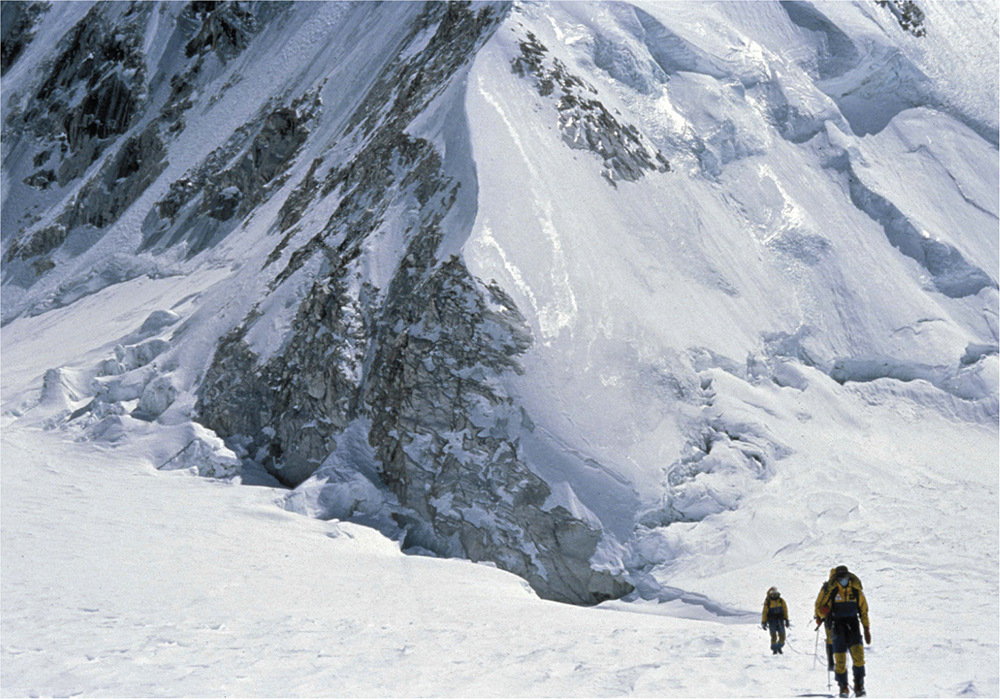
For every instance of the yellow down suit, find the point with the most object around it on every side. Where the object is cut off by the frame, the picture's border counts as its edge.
(843, 606)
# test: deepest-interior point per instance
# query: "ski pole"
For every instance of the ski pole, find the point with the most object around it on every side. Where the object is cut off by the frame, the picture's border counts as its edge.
(828, 683)
(816, 649)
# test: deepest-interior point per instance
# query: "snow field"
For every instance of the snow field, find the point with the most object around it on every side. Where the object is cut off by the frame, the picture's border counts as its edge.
(148, 584)
(119, 580)
(142, 583)
(888, 485)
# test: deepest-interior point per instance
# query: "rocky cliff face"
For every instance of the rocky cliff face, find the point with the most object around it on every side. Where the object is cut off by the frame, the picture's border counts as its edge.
(418, 359)
(503, 280)
(92, 132)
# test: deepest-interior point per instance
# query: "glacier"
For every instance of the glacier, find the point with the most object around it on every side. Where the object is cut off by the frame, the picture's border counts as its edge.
(643, 303)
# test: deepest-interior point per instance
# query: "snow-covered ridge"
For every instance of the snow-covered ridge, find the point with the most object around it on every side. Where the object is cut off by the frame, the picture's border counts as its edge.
(537, 284)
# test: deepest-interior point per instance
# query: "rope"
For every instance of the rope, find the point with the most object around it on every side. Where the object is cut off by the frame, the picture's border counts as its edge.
(793, 649)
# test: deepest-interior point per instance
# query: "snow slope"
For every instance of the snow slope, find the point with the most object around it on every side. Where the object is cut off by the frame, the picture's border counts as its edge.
(122, 580)
(731, 269)
(119, 580)
(759, 248)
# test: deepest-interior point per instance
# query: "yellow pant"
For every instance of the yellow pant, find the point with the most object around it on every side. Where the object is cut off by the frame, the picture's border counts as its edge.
(857, 657)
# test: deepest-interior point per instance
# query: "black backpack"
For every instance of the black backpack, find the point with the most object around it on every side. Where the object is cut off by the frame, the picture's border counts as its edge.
(825, 589)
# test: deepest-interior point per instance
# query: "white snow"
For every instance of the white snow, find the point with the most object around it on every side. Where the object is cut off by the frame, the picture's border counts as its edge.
(626, 287)
(692, 318)
(118, 579)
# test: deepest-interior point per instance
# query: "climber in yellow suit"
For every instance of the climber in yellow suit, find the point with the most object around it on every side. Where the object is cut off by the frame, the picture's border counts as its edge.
(774, 618)
(842, 603)
(826, 622)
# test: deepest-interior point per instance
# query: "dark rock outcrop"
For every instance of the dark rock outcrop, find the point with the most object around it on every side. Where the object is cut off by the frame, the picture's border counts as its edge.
(908, 14)
(105, 197)
(18, 20)
(232, 180)
(584, 121)
(422, 361)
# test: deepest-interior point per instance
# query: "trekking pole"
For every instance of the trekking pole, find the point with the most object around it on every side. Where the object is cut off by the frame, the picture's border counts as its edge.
(816, 649)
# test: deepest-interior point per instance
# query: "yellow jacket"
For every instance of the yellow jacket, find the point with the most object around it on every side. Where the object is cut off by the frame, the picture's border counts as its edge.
(774, 608)
(839, 602)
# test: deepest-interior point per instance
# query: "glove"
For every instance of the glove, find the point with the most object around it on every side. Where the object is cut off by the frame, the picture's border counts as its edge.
(819, 622)
(788, 623)
(764, 626)
(868, 636)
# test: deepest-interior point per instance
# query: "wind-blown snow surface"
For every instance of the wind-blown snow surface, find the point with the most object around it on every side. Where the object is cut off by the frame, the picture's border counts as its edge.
(755, 248)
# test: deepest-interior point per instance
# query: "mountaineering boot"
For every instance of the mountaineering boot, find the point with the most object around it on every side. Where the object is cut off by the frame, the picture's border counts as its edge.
(859, 681)
(845, 690)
